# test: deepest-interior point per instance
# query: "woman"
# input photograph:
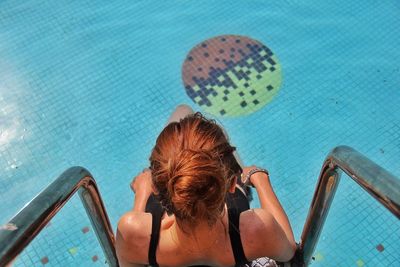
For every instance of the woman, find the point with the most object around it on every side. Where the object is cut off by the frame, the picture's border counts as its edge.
(190, 209)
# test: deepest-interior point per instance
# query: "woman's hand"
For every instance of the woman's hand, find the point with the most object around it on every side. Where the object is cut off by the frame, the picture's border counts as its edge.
(142, 186)
(142, 183)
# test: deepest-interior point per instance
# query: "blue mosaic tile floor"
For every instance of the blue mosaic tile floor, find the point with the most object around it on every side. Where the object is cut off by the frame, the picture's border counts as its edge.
(92, 84)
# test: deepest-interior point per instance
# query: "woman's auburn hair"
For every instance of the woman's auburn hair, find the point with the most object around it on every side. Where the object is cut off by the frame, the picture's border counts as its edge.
(192, 167)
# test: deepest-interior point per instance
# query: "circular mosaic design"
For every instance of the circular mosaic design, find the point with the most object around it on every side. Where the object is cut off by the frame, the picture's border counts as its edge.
(231, 75)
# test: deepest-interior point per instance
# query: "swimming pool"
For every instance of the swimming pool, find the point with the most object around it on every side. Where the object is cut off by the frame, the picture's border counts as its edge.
(92, 84)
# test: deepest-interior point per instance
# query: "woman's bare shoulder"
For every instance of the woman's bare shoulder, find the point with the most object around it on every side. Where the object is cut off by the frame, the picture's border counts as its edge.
(133, 236)
(260, 233)
(133, 222)
(256, 221)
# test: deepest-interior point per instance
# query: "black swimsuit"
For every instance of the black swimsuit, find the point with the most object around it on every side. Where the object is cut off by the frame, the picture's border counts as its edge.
(236, 203)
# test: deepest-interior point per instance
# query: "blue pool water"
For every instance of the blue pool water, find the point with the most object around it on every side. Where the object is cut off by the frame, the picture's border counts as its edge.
(92, 83)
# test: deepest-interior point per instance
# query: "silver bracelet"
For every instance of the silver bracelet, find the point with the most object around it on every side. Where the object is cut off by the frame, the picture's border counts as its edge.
(250, 173)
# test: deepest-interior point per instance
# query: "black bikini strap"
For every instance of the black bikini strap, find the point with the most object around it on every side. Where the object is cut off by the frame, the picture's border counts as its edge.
(156, 210)
(234, 234)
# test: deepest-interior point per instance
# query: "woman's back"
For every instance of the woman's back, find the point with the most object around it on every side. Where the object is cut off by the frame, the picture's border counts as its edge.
(209, 246)
(193, 177)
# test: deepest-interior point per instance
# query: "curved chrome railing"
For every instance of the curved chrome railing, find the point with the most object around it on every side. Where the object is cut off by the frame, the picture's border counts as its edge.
(27, 224)
(378, 182)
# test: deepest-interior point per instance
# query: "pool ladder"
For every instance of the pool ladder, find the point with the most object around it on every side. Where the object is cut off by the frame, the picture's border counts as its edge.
(378, 182)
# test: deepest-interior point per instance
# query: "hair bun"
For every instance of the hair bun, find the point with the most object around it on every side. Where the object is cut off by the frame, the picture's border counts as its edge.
(197, 185)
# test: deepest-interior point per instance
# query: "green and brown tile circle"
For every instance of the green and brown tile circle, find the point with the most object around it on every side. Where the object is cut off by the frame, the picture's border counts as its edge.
(231, 75)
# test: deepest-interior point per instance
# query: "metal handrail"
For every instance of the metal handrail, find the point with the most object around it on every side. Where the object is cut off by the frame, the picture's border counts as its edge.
(37, 213)
(378, 182)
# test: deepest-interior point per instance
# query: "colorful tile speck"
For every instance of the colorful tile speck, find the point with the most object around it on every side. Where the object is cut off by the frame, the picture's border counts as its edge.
(44, 260)
(360, 263)
(73, 250)
(380, 247)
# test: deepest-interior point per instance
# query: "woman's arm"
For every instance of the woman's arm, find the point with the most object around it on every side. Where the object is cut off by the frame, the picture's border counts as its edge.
(270, 203)
(142, 187)
(134, 225)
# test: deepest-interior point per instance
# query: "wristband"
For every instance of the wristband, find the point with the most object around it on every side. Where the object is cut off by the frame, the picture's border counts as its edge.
(247, 181)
